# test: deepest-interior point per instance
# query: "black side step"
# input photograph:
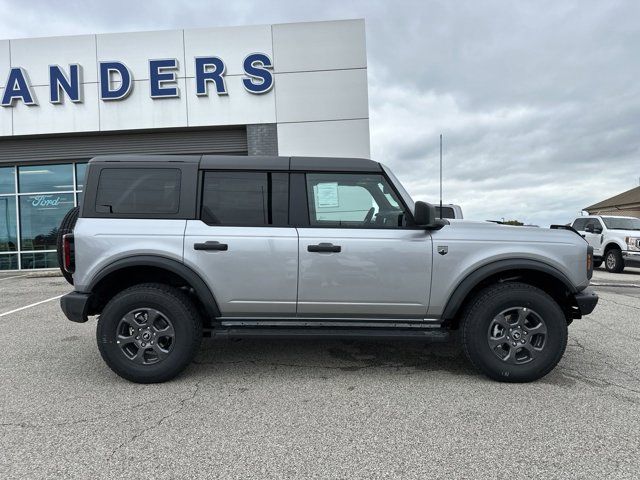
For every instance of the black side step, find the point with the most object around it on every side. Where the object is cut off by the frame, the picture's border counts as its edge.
(431, 334)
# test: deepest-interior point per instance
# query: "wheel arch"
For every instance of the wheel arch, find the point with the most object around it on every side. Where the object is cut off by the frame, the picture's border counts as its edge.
(536, 273)
(612, 244)
(132, 270)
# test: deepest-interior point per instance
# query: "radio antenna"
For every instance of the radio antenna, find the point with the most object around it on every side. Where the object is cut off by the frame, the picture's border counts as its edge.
(440, 176)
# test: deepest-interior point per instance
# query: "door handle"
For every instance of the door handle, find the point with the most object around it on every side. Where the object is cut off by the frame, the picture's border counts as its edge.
(324, 247)
(210, 246)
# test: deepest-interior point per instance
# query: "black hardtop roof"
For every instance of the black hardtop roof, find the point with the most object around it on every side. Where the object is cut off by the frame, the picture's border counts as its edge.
(240, 162)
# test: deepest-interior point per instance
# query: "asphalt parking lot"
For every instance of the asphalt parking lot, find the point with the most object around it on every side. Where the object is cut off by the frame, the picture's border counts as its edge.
(315, 409)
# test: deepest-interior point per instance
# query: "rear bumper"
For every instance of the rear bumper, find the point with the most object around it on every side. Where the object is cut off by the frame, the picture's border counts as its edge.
(586, 300)
(74, 306)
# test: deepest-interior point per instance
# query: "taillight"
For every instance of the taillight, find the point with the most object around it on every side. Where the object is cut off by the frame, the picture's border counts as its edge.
(589, 262)
(68, 260)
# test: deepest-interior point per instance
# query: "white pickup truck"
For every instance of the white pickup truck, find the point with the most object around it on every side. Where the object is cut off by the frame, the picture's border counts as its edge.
(615, 240)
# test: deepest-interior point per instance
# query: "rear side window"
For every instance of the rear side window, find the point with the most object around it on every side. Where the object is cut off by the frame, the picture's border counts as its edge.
(245, 198)
(138, 191)
(447, 212)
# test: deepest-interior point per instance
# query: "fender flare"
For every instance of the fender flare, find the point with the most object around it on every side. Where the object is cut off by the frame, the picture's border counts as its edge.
(463, 289)
(203, 292)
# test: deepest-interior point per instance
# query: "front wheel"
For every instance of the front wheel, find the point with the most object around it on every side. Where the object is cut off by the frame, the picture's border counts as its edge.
(613, 261)
(149, 333)
(514, 332)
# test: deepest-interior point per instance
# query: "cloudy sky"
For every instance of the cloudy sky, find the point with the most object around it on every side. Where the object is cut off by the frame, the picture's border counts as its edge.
(539, 102)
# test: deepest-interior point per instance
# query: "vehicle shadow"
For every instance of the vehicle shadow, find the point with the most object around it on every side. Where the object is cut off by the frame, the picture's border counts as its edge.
(337, 355)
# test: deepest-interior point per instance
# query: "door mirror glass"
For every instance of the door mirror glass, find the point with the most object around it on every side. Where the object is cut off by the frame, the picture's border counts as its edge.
(589, 228)
(597, 230)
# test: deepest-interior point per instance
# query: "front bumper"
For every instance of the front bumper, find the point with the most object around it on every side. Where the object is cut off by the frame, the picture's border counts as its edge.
(74, 305)
(586, 300)
(631, 259)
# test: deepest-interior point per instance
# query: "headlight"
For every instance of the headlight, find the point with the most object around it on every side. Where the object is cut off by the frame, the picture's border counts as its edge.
(633, 243)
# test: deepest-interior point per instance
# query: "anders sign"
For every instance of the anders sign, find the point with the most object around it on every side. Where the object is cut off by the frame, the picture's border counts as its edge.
(116, 80)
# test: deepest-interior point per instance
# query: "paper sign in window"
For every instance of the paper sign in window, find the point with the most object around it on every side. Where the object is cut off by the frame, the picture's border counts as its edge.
(327, 195)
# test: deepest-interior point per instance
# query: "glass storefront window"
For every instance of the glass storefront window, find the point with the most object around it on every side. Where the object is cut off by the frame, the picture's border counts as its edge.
(81, 169)
(7, 180)
(8, 227)
(40, 217)
(39, 260)
(9, 262)
(45, 178)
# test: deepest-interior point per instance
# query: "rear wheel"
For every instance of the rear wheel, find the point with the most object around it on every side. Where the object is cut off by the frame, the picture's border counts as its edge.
(66, 226)
(613, 261)
(149, 333)
(514, 332)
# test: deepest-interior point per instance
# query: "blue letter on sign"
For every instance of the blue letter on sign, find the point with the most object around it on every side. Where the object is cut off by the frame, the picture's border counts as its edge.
(260, 79)
(17, 87)
(210, 69)
(107, 69)
(58, 82)
(158, 77)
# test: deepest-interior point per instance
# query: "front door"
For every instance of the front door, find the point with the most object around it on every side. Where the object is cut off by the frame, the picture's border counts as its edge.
(358, 256)
(593, 235)
(242, 244)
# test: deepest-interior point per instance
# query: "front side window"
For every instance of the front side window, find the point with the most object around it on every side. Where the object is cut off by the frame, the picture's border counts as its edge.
(580, 223)
(353, 200)
(138, 191)
(245, 198)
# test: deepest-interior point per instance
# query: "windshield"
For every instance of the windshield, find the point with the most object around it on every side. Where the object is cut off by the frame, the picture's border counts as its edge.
(620, 223)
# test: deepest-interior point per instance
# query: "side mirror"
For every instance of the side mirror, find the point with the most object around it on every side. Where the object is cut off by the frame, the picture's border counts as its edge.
(597, 230)
(424, 216)
(589, 228)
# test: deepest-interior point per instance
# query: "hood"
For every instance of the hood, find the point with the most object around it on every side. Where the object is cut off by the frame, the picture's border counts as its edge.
(625, 233)
(488, 231)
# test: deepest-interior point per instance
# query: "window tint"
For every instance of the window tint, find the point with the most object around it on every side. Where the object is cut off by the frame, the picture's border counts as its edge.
(580, 223)
(138, 191)
(447, 212)
(46, 178)
(353, 200)
(7, 180)
(81, 171)
(245, 198)
(8, 225)
(40, 217)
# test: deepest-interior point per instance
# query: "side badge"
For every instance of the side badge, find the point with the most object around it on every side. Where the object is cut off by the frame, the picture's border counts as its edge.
(443, 249)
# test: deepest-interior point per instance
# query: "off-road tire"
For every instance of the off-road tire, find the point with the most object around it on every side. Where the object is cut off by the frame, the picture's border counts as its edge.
(173, 304)
(66, 226)
(479, 315)
(613, 261)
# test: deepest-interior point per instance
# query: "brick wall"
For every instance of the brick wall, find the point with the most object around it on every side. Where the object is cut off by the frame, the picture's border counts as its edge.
(262, 139)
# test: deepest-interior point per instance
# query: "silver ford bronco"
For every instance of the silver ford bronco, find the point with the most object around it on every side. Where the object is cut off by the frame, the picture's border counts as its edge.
(166, 249)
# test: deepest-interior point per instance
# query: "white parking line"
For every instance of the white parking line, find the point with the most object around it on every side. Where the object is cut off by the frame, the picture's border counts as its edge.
(9, 278)
(29, 306)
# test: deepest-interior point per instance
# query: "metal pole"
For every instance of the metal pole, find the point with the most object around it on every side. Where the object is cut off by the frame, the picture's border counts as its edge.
(441, 176)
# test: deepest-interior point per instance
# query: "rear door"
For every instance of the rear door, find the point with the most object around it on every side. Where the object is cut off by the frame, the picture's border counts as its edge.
(242, 243)
(358, 256)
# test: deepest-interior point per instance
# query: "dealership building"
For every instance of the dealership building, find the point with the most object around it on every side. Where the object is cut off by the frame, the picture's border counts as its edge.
(289, 89)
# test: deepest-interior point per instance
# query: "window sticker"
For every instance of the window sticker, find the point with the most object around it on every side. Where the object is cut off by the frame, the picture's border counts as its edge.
(327, 194)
